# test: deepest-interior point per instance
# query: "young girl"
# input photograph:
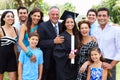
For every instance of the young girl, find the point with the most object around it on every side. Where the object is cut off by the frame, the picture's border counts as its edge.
(28, 70)
(95, 70)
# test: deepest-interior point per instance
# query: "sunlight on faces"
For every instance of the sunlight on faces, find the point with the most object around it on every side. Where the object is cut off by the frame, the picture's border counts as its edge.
(91, 17)
(69, 23)
(22, 14)
(33, 41)
(95, 56)
(9, 18)
(103, 17)
(54, 15)
(84, 29)
(35, 17)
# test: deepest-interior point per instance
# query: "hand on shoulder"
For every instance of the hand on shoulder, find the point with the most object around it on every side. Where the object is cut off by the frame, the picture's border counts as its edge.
(94, 38)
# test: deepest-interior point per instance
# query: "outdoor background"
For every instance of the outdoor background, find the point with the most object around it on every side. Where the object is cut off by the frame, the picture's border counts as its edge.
(79, 6)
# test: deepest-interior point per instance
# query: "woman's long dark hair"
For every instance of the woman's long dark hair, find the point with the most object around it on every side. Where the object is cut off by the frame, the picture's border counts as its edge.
(29, 19)
(3, 16)
(74, 30)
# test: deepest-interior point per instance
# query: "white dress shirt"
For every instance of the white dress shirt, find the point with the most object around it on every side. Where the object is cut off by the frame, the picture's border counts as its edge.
(109, 41)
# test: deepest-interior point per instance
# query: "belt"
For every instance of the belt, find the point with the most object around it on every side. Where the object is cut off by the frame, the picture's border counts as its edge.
(108, 60)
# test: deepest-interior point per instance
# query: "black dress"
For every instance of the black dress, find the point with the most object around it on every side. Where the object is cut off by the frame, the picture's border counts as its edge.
(7, 55)
(64, 69)
(83, 57)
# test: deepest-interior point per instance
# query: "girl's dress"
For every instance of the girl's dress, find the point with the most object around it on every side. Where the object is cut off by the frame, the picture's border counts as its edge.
(96, 73)
(7, 55)
(83, 57)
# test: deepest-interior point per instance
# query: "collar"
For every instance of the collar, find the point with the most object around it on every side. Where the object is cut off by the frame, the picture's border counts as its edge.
(54, 24)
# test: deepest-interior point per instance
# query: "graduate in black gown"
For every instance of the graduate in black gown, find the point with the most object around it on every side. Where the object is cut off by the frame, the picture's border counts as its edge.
(62, 52)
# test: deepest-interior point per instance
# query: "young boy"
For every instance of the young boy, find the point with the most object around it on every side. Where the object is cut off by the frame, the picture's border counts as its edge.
(28, 70)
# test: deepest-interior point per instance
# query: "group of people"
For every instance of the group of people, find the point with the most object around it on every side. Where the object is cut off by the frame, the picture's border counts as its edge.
(43, 48)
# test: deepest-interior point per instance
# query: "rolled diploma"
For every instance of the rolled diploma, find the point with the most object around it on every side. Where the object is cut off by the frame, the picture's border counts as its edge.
(72, 48)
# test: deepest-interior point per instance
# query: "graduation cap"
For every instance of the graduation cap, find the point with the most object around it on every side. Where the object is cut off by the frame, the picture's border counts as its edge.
(68, 14)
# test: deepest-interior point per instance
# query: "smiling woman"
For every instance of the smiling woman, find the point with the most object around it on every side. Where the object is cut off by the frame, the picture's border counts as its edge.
(8, 40)
(13, 10)
(62, 52)
(34, 18)
(86, 43)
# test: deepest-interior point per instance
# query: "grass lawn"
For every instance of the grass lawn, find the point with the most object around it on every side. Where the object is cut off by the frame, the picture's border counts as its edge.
(118, 73)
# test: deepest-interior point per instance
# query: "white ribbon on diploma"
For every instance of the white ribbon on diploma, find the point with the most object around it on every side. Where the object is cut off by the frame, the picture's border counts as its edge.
(72, 47)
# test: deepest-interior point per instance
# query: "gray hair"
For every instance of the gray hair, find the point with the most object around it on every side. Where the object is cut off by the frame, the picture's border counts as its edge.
(52, 8)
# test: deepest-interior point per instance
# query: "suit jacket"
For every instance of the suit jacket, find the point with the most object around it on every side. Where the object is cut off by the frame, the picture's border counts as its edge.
(46, 43)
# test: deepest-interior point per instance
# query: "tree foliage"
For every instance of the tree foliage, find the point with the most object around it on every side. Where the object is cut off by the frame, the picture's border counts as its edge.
(67, 6)
(30, 4)
(6, 4)
(13, 4)
(27, 3)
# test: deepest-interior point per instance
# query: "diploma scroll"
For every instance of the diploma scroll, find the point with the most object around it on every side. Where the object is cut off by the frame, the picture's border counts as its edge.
(72, 47)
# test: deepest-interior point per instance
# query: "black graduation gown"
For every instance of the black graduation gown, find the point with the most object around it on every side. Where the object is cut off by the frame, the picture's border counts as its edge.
(64, 69)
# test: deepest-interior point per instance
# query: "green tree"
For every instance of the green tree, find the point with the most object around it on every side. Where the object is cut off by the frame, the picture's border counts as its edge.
(6, 4)
(67, 6)
(13, 4)
(44, 7)
(30, 4)
(27, 3)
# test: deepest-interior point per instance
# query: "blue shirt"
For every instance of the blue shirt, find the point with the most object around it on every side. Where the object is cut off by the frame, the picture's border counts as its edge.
(30, 69)
(93, 28)
(109, 41)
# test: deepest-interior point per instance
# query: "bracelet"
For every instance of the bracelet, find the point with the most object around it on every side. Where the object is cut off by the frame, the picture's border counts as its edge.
(29, 53)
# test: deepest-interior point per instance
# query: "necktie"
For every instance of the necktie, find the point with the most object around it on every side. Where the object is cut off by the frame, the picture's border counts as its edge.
(56, 30)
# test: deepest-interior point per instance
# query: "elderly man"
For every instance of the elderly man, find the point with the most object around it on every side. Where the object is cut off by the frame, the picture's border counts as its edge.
(49, 32)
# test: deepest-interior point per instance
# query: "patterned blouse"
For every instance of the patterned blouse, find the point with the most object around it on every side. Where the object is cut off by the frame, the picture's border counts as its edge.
(83, 57)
